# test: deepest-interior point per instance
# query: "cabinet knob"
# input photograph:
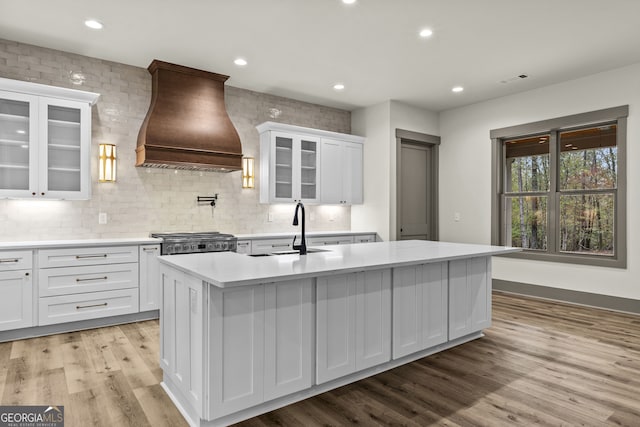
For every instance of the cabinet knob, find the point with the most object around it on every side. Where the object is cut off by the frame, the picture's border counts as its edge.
(26, 274)
(42, 194)
(33, 194)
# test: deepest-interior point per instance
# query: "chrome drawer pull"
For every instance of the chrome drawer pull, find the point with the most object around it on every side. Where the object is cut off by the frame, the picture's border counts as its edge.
(91, 278)
(149, 249)
(280, 246)
(6, 260)
(78, 307)
(91, 256)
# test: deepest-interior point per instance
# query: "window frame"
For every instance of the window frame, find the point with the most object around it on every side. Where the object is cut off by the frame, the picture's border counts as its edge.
(553, 127)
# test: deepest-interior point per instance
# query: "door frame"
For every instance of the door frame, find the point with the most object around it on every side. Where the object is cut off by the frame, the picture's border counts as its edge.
(432, 142)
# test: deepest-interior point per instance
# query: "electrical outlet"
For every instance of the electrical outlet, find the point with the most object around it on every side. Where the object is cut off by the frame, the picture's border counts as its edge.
(456, 216)
(102, 218)
(270, 217)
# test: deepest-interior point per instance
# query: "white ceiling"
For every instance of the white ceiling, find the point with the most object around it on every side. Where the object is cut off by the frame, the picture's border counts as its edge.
(300, 48)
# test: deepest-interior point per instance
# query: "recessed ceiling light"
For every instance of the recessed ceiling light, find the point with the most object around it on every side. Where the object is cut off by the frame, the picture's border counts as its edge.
(93, 24)
(338, 86)
(426, 33)
(240, 62)
(348, 1)
(457, 89)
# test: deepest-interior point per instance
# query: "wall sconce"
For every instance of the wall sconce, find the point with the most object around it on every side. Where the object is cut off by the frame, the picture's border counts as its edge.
(247, 172)
(107, 163)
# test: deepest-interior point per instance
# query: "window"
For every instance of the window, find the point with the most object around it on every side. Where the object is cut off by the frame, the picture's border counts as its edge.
(559, 188)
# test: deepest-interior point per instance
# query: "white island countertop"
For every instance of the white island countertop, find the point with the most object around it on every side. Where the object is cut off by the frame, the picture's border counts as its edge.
(228, 269)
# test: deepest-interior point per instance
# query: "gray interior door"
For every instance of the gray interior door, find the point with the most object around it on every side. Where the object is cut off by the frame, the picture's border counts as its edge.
(414, 192)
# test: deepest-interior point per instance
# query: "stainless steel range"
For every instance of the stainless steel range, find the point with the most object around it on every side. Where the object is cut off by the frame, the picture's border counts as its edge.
(188, 243)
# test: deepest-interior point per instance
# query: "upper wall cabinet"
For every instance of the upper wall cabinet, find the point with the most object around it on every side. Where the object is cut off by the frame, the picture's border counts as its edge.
(309, 165)
(45, 141)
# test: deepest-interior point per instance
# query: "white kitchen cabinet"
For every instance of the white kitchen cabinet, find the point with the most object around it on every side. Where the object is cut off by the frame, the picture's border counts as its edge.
(16, 290)
(288, 338)
(289, 167)
(182, 323)
(149, 277)
(267, 246)
(340, 172)
(419, 307)
(329, 240)
(364, 238)
(236, 348)
(353, 323)
(243, 247)
(469, 296)
(45, 138)
(294, 168)
(84, 283)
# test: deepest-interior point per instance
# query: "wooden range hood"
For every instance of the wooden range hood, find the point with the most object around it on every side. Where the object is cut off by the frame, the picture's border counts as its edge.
(187, 126)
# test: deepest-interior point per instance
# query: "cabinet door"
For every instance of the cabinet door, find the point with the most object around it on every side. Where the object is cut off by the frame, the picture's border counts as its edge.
(352, 173)
(243, 247)
(419, 308)
(149, 277)
(332, 171)
(18, 145)
(236, 348)
(469, 296)
(373, 323)
(16, 303)
(288, 338)
(282, 152)
(308, 170)
(182, 334)
(65, 140)
(336, 326)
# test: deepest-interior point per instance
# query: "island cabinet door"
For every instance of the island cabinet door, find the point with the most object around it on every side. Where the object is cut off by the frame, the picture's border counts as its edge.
(183, 334)
(288, 337)
(336, 326)
(419, 308)
(236, 349)
(469, 296)
(373, 323)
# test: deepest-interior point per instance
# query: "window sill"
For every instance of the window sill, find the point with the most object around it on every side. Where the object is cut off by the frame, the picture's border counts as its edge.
(594, 260)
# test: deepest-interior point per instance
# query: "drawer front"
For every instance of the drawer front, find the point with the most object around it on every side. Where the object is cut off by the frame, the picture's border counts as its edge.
(366, 238)
(90, 278)
(70, 308)
(15, 260)
(243, 247)
(271, 245)
(73, 257)
(321, 241)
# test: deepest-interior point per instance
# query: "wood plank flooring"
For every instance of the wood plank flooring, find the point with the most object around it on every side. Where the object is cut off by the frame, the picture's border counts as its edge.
(541, 362)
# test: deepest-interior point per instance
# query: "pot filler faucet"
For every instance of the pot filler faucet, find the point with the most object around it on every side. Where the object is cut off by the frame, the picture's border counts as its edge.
(302, 247)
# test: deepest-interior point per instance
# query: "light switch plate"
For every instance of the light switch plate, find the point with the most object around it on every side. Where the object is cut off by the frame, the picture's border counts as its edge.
(102, 218)
(456, 216)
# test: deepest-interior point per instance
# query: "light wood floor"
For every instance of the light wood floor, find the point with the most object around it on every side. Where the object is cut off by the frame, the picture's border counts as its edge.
(540, 363)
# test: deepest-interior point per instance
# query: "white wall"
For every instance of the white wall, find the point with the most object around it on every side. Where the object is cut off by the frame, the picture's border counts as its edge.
(378, 124)
(465, 175)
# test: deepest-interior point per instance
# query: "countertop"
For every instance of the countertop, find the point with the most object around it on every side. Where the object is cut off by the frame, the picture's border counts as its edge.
(229, 269)
(52, 244)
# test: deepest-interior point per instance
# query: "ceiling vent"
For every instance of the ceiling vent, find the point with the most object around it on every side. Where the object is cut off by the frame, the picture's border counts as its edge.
(514, 78)
(187, 125)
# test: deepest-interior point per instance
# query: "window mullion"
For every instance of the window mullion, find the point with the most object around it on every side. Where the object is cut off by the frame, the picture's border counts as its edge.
(553, 202)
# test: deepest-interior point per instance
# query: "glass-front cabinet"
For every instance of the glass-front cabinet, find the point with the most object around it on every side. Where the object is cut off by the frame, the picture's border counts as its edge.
(293, 160)
(45, 141)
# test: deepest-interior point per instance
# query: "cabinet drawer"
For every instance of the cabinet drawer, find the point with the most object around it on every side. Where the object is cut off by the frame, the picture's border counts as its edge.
(270, 245)
(69, 308)
(15, 260)
(87, 256)
(365, 238)
(336, 240)
(243, 247)
(90, 278)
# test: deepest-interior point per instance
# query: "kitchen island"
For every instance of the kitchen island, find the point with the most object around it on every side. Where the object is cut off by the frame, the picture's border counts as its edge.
(244, 335)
